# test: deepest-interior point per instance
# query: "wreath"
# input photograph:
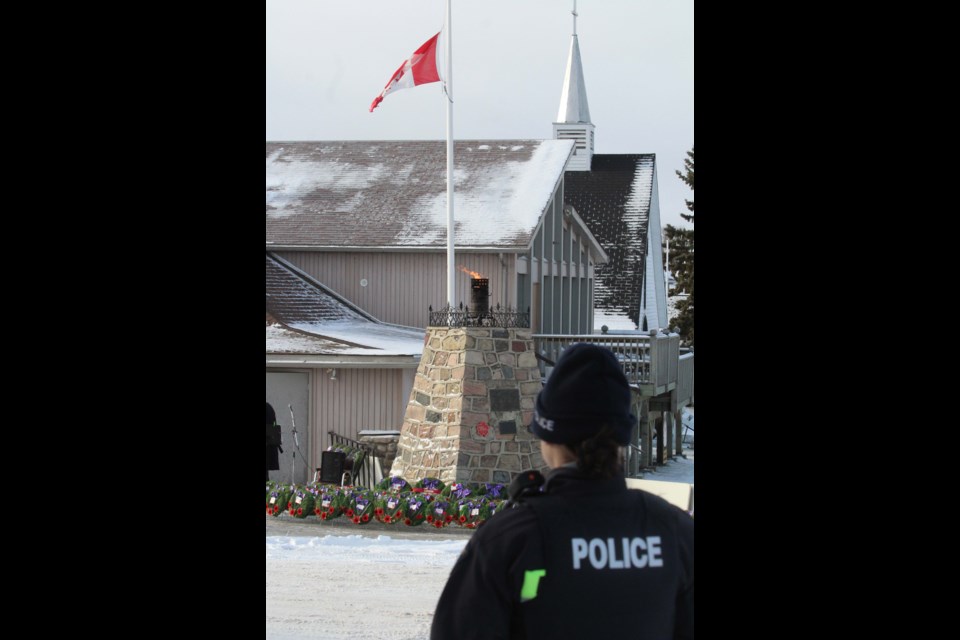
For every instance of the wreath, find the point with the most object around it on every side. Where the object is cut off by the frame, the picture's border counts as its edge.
(331, 502)
(302, 502)
(414, 507)
(441, 513)
(468, 512)
(389, 508)
(493, 490)
(396, 484)
(360, 506)
(457, 491)
(429, 485)
(492, 507)
(278, 498)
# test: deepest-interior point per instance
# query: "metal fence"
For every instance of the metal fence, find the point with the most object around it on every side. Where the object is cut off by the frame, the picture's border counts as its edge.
(363, 471)
(465, 317)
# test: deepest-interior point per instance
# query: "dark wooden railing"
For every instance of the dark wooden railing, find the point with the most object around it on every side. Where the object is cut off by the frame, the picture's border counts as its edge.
(359, 460)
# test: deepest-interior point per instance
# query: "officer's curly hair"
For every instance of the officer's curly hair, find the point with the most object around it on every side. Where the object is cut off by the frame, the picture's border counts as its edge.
(599, 455)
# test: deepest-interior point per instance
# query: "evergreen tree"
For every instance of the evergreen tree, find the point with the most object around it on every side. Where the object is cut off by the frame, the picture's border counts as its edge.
(688, 178)
(681, 261)
(681, 257)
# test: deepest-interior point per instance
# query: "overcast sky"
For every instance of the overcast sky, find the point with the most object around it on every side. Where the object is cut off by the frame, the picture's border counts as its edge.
(326, 61)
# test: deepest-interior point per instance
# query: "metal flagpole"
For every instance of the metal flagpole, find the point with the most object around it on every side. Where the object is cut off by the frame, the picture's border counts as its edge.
(451, 285)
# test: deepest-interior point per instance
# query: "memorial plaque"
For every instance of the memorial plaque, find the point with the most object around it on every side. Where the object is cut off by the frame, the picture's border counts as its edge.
(507, 427)
(504, 399)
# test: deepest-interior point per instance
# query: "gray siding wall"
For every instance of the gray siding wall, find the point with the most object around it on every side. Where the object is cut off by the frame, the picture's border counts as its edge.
(358, 399)
(400, 287)
(559, 262)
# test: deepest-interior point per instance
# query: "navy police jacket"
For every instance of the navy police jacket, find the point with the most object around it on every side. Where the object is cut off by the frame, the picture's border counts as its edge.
(584, 556)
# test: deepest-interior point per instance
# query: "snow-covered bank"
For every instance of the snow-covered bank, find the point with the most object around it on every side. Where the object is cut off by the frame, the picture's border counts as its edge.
(354, 587)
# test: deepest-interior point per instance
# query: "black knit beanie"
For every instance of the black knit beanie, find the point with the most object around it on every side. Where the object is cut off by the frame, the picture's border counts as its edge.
(586, 390)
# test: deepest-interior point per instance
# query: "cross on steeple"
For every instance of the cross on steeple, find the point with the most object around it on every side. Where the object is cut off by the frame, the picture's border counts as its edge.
(575, 14)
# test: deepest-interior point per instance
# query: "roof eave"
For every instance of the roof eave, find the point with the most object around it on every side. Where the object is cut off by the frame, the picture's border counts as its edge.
(595, 247)
(316, 361)
(511, 248)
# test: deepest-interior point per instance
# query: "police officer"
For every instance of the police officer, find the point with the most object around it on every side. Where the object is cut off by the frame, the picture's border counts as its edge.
(584, 554)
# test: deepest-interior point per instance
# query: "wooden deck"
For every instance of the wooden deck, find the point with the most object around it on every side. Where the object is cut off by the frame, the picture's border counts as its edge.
(661, 375)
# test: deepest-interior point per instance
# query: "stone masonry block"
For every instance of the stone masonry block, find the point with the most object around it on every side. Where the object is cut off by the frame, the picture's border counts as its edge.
(472, 388)
(470, 419)
(527, 359)
(531, 388)
(454, 343)
(469, 446)
(509, 462)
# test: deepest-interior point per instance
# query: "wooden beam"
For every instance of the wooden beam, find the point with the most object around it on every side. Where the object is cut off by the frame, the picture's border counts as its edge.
(678, 421)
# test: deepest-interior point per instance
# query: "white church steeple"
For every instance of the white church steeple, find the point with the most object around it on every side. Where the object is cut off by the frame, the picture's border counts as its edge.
(573, 118)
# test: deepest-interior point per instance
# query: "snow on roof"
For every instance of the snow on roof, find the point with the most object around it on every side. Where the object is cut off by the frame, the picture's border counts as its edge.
(371, 338)
(614, 200)
(613, 321)
(291, 296)
(283, 340)
(394, 193)
(299, 305)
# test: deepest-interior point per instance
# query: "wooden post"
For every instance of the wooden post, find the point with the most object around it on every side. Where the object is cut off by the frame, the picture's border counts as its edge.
(645, 440)
(671, 431)
(677, 418)
(658, 425)
(535, 308)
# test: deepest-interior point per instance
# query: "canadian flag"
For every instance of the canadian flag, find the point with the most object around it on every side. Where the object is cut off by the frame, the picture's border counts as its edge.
(421, 68)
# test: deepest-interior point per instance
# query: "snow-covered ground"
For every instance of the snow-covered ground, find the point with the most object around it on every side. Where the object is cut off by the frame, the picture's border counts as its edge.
(346, 582)
(354, 587)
